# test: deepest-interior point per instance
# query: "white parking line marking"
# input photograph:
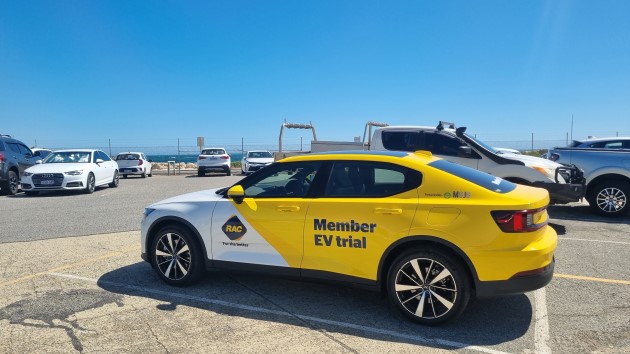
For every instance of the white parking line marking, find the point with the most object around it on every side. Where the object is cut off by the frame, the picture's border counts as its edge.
(415, 338)
(587, 240)
(541, 323)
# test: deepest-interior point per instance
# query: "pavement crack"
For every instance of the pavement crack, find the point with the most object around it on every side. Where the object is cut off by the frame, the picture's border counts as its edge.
(297, 317)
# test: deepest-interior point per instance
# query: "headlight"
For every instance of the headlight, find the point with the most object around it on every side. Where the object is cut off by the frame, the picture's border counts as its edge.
(26, 173)
(545, 171)
(74, 173)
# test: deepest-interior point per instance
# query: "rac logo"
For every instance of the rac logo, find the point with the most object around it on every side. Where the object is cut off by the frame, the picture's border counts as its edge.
(234, 228)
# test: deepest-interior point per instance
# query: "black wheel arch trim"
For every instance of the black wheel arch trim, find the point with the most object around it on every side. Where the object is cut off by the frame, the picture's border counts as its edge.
(382, 272)
(175, 219)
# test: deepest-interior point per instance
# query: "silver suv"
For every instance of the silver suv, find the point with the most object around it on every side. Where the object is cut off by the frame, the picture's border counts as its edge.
(15, 157)
(213, 160)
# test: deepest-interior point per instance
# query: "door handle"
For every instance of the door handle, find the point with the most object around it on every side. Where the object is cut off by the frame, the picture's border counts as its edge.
(388, 211)
(288, 208)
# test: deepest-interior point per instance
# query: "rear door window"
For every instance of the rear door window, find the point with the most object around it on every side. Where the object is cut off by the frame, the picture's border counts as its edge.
(370, 179)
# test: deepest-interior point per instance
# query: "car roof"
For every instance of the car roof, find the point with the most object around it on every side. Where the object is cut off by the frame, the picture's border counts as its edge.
(381, 155)
(594, 140)
(130, 152)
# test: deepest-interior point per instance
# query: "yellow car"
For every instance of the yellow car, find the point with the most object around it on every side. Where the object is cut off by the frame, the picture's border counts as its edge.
(429, 232)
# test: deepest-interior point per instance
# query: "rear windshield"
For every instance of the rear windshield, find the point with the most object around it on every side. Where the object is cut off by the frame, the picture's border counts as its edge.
(213, 152)
(127, 157)
(490, 182)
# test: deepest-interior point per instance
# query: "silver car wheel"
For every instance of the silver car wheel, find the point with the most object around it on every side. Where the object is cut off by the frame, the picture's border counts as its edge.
(425, 288)
(611, 199)
(172, 255)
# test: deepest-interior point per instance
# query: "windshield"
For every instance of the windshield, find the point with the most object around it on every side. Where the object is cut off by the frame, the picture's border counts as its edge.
(485, 146)
(259, 155)
(68, 157)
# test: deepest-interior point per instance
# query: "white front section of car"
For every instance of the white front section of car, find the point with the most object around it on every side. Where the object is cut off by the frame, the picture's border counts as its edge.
(208, 213)
(74, 175)
(254, 164)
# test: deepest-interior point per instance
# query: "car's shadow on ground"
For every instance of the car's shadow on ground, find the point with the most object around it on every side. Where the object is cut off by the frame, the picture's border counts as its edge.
(582, 212)
(58, 193)
(325, 307)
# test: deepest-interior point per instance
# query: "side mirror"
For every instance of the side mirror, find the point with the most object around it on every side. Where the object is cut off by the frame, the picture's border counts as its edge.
(236, 193)
(464, 151)
(39, 162)
(99, 161)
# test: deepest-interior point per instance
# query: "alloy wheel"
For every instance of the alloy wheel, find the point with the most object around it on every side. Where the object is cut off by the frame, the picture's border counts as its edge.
(172, 255)
(13, 182)
(611, 199)
(425, 288)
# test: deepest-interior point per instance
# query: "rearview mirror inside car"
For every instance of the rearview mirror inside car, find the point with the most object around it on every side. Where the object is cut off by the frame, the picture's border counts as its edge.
(236, 193)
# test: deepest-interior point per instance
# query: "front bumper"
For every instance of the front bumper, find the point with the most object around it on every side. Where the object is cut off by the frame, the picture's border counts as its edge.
(571, 191)
(254, 167)
(562, 193)
(56, 181)
(516, 285)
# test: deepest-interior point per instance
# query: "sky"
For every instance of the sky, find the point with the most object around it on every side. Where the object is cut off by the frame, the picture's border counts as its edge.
(80, 73)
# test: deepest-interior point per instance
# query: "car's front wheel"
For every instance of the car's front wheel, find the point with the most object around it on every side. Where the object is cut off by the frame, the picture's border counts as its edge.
(115, 180)
(428, 286)
(90, 184)
(177, 256)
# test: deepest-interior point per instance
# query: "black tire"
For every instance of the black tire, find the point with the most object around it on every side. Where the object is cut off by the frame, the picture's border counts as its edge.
(11, 185)
(187, 265)
(418, 297)
(115, 180)
(200, 173)
(124, 176)
(228, 172)
(91, 184)
(144, 174)
(31, 193)
(150, 174)
(609, 198)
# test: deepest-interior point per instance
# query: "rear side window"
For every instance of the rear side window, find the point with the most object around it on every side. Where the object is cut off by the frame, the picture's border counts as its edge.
(402, 141)
(490, 182)
(213, 152)
(370, 179)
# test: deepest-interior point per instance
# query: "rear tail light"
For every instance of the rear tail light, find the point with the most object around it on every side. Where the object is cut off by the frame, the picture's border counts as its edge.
(1, 156)
(519, 220)
(225, 157)
(140, 162)
(200, 158)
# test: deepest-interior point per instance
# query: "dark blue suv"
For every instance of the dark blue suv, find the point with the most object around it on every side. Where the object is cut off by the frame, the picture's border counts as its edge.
(15, 157)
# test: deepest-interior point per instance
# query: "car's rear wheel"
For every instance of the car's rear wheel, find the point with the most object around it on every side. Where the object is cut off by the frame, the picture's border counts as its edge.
(90, 185)
(609, 198)
(144, 174)
(228, 172)
(428, 286)
(115, 180)
(10, 186)
(150, 174)
(200, 173)
(177, 256)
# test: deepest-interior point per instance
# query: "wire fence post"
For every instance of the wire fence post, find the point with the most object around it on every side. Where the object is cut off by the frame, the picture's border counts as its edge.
(110, 146)
(532, 142)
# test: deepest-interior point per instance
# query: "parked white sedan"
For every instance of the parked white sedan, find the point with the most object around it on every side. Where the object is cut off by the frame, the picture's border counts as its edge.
(71, 170)
(255, 160)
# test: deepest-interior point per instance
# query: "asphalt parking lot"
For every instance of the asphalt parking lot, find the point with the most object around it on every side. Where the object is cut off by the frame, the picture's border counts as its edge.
(72, 280)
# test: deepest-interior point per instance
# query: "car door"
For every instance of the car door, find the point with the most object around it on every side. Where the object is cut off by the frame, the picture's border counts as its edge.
(366, 206)
(101, 170)
(266, 228)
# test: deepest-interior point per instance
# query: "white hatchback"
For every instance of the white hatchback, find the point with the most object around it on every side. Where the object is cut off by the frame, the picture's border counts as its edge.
(72, 170)
(255, 160)
(213, 160)
(134, 163)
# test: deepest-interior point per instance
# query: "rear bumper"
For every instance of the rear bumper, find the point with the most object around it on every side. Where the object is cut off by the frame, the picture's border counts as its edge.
(516, 285)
